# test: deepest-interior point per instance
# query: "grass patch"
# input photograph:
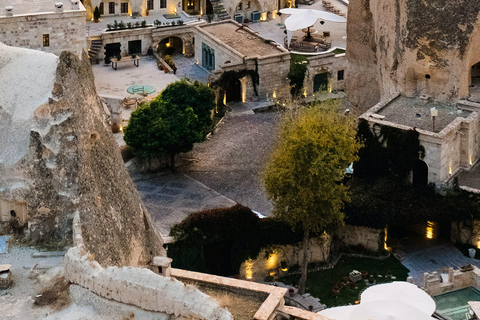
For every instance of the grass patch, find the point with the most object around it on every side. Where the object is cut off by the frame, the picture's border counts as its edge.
(338, 51)
(320, 283)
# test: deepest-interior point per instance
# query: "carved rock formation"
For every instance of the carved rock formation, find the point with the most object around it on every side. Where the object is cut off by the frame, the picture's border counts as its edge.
(58, 157)
(411, 47)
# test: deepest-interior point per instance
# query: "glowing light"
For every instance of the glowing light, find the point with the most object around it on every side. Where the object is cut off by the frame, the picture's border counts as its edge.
(225, 99)
(201, 12)
(450, 170)
(284, 269)
(272, 273)
(168, 44)
(274, 14)
(263, 16)
(478, 243)
(429, 229)
(249, 269)
(121, 129)
(305, 92)
(470, 160)
(274, 95)
(272, 261)
(385, 239)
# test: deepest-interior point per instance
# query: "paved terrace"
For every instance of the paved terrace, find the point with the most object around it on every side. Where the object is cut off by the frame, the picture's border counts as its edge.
(22, 7)
(415, 112)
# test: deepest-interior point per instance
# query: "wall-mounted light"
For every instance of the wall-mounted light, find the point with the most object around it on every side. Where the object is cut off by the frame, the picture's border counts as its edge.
(274, 95)
(470, 160)
(429, 229)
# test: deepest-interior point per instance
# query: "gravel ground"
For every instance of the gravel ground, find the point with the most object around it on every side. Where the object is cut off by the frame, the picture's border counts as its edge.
(232, 160)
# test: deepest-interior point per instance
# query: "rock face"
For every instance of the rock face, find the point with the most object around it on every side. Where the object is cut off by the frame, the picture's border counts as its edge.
(411, 47)
(59, 157)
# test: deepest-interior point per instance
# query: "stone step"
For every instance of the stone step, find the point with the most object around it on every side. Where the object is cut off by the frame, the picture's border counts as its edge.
(49, 254)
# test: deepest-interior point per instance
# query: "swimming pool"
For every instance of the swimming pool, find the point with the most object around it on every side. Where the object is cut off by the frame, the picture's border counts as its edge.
(454, 304)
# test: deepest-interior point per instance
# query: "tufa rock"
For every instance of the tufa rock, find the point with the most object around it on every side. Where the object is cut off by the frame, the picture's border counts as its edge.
(59, 157)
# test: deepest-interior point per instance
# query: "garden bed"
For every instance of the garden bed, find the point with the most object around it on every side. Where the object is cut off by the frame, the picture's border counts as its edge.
(321, 283)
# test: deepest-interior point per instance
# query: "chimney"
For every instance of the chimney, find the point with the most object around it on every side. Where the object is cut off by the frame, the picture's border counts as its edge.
(9, 11)
(75, 5)
(58, 6)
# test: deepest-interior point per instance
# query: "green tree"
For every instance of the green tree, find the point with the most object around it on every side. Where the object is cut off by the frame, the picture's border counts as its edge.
(303, 177)
(199, 97)
(171, 123)
(96, 14)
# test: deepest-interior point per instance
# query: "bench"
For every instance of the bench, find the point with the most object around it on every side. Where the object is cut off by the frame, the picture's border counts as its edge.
(115, 61)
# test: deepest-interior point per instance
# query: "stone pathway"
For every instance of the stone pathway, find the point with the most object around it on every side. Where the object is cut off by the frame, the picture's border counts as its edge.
(187, 68)
(170, 198)
(433, 259)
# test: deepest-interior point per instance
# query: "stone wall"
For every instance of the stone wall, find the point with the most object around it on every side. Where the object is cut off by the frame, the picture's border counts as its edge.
(330, 63)
(393, 50)
(269, 261)
(452, 280)
(371, 239)
(138, 286)
(66, 31)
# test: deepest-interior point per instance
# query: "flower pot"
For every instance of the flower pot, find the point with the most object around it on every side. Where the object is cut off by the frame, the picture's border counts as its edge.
(291, 292)
(472, 252)
(364, 274)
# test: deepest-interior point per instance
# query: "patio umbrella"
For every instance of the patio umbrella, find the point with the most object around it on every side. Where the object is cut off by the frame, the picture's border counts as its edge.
(304, 18)
(338, 313)
(387, 310)
(402, 292)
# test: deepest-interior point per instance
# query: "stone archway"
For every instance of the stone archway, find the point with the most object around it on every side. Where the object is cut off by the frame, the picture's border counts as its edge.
(474, 87)
(187, 38)
(170, 46)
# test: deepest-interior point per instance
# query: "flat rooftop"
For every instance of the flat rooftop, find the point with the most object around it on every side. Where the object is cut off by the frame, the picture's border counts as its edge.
(27, 7)
(415, 112)
(245, 42)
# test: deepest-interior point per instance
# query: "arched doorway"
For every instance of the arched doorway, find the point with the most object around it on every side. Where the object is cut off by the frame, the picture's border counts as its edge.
(233, 90)
(170, 46)
(420, 174)
(474, 89)
(320, 82)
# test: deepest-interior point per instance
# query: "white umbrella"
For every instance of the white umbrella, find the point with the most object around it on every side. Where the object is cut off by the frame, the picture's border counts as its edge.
(304, 18)
(387, 310)
(338, 313)
(402, 292)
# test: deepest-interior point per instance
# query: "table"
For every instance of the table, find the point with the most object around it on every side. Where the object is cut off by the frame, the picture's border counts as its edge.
(308, 31)
(115, 61)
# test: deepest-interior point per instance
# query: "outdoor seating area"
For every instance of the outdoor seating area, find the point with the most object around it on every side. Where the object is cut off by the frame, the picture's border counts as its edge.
(331, 8)
(312, 43)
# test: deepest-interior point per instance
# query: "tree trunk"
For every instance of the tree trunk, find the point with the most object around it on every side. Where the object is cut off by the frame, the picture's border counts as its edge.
(303, 278)
(172, 161)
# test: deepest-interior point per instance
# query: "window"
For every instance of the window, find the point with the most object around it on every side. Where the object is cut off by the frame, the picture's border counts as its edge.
(248, 4)
(101, 8)
(124, 7)
(163, 4)
(239, 6)
(208, 57)
(46, 40)
(111, 7)
(340, 75)
(149, 4)
(190, 5)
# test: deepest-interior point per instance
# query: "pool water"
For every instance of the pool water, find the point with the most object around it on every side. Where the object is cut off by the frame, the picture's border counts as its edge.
(454, 304)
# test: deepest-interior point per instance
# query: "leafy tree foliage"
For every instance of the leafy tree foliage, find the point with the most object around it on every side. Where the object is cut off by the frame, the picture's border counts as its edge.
(307, 166)
(298, 69)
(173, 122)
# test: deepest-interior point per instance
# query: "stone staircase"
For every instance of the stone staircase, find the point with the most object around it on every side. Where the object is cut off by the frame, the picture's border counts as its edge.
(222, 12)
(95, 47)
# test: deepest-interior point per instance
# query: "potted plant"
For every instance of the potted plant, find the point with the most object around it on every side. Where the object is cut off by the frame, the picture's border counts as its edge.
(364, 274)
(96, 15)
(291, 292)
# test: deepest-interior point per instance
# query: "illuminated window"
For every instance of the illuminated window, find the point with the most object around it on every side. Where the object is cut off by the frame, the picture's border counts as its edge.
(190, 4)
(46, 40)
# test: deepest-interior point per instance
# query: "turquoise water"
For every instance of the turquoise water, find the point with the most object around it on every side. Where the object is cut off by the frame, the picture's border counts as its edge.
(141, 88)
(454, 304)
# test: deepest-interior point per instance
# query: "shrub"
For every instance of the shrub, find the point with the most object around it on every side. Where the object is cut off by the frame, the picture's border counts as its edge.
(96, 14)
(137, 24)
(115, 24)
(109, 27)
(129, 25)
(180, 22)
(144, 24)
(121, 25)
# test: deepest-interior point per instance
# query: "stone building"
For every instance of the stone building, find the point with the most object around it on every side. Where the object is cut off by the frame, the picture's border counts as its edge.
(44, 25)
(131, 7)
(227, 46)
(408, 58)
